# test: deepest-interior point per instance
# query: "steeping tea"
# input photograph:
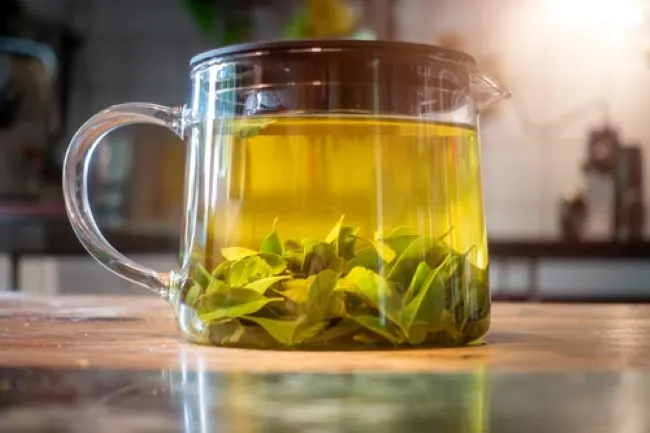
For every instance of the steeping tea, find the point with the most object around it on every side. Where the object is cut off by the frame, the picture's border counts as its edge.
(341, 231)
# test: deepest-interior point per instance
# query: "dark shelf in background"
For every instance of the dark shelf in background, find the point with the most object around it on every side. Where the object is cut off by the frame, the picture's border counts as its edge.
(556, 249)
(534, 251)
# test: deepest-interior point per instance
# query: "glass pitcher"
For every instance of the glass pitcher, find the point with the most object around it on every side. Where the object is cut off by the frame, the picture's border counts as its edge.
(332, 197)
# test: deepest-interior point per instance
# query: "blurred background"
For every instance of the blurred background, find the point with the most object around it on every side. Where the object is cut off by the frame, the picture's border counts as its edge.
(564, 161)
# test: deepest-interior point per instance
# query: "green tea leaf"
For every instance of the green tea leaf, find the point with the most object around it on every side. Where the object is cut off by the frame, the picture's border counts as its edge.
(454, 265)
(314, 264)
(360, 281)
(336, 307)
(419, 277)
(372, 323)
(423, 249)
(366, 258)
(221, 271)
(438, 253)
(453, 273)
(216, 286)
(477, 301)
(342, 329)
(247, 334)
(288, 332)
(235, 335)
(346, 241)
(445, 323)
(334, 233)
(400, 240)
(232, 304)
(318, 256)
(288, 310)
(417, 333)
(237, 253)
(305, 333)
(295, 290)
(276, 262)
(192, 294)
(399, 243)
(262, 285)
(248, 269)
(319, 291)
(316, 296)
(384, 251)
(226, 332)
(337, 264)
(379, 292)
(294, 264)
(201, 276)
(427, 304)
(367, 339)
(294, 255)
(272, 243)
(281, 330)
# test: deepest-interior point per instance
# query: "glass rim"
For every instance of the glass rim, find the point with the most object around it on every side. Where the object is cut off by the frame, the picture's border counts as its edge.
(304, 46)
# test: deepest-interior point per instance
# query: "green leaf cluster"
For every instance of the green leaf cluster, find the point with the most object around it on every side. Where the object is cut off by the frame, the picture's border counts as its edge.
(401, 289)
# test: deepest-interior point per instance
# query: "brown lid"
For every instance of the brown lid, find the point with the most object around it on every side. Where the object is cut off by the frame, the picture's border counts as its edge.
(384, 48)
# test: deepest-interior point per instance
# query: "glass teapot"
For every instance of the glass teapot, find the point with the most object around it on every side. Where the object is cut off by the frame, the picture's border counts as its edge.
(332, 196)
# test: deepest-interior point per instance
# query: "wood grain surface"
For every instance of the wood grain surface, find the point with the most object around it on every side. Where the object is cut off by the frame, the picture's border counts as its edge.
(140, 333)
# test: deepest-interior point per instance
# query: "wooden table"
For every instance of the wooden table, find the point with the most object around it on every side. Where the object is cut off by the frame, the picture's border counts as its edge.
(139, 333)
(71, 364)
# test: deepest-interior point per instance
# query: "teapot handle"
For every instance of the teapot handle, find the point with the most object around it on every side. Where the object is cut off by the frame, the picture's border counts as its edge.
(75, 187)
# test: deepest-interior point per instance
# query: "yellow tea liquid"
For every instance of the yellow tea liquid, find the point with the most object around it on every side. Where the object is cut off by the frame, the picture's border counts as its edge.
(341, 232)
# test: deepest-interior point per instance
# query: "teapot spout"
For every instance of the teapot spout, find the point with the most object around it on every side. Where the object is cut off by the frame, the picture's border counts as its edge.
(487, 91)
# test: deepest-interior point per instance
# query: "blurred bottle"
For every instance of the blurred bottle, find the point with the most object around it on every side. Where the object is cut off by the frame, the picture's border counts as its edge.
(573, 215)
(329, 18)
(323, 19)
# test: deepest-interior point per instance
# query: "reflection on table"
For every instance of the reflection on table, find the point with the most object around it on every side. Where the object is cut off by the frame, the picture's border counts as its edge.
(192, 399)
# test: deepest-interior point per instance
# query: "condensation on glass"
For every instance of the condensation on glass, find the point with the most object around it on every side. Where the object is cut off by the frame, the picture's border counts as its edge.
(333, 197)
